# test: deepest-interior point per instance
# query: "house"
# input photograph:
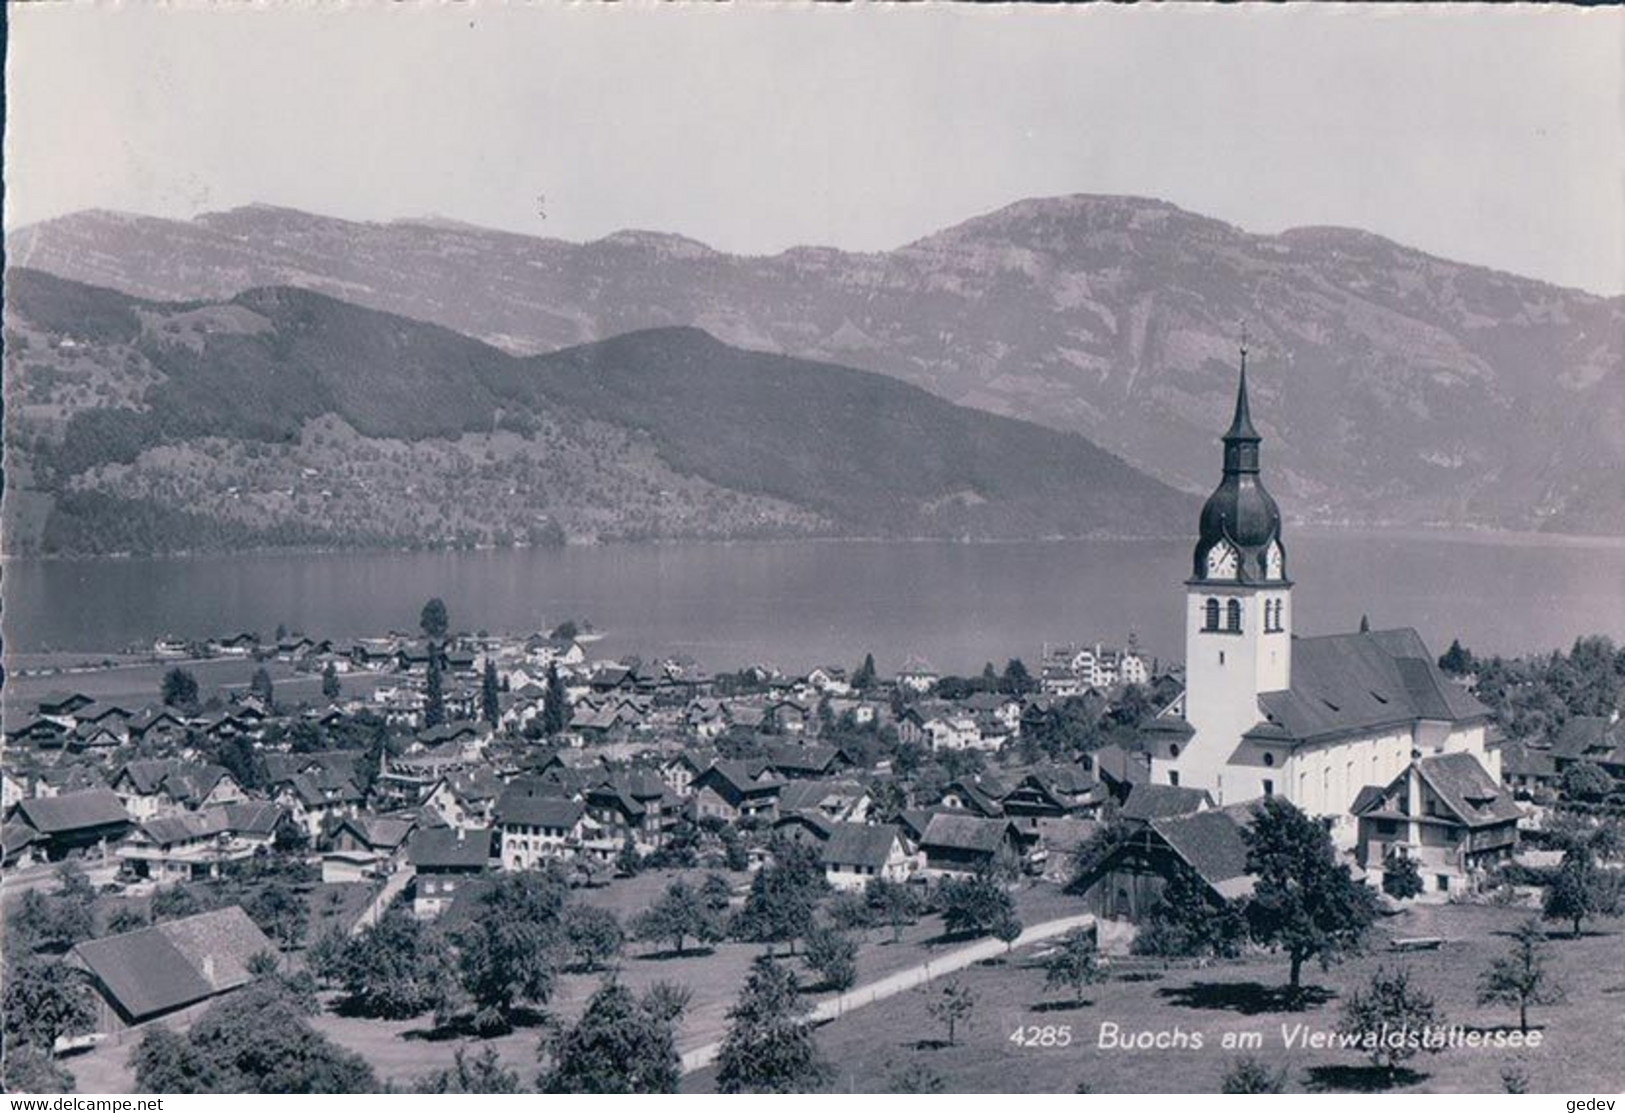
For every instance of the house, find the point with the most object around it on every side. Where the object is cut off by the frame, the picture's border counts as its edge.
(917, 676)
(1053, 791)
(1528, 771)
(42, 731)
(857, 852)
(1119, 770)
(980, 796)
(796, 762)
(367, 846)
(1596, 739)
(191, 846)
(1128, 881)
(1444, 812)
(681, 770)
(738, 790)
(75, 821)
(445, 858)
(157, 971)
(1152, 801)
(962, 845)
(158, 726)
(838, 800)
(318, 800)
(535, 826)
(803, 828)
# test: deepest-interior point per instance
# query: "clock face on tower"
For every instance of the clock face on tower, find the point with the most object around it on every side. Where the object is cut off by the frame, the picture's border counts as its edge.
(1272, 561)
(1221, 561)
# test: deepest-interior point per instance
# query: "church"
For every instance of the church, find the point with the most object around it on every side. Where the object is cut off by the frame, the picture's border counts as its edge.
(1265, 713)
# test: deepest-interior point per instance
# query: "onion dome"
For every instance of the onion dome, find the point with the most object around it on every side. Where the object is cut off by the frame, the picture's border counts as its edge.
(1240, 537)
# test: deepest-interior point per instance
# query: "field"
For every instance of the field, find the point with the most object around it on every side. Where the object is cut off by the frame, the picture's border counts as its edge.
(137, 682)
(871, 1049)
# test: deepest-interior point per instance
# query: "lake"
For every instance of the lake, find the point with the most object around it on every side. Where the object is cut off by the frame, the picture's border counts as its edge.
(796, 604)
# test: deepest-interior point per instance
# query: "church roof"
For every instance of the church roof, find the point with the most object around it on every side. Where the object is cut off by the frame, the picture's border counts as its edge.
(1240, 511)
(1345, 684)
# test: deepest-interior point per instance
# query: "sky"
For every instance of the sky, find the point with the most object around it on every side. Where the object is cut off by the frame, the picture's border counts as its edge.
(1492, 135)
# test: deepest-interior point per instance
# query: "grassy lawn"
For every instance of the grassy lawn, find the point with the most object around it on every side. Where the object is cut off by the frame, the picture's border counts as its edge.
(875, 1045)
(139, 683)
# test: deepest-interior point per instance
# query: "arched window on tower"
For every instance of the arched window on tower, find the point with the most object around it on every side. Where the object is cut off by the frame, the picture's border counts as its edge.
(1232, 616)
(1212, 622)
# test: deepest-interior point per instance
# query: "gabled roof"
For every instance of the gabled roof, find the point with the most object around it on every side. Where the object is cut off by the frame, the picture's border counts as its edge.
(432, 848)
(73, 811)
(947, 831)
(159, 969)
(1467, 789)
(1353, 683)
(384, 832)
(527, 803)
(1146, 802)
(1589, 737)
(860, 844)
(1212, 843)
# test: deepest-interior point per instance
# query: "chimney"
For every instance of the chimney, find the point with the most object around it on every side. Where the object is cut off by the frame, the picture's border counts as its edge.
(208, 969)
(461, 834)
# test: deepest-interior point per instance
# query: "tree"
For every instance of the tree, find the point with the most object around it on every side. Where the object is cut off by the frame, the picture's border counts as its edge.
(1457, 660)
(1187, 922)
(593, 934)
(716, 892)
(281, 913)
(1580, 890)
(394, 969)
(434, 620)
(556, 704)
(681, 914)
(255, 1041)
(44, 1001)
(330, 681)
(769, 1047)
(783, 897)
(180, 690)
(483, 1074)
(260, 686)
(621, 1045)
(863, 677)
(1303, 902)
(1520, 977)
(1249, 1076)
(951, 1005)
(1389, 1004)
(511, 951)
(627, 859)
(566, 631)
(1017, 681)
(1586, 781)
(28, 1070)
(1401, 877)
(1074, 964)
(490, 705)
(832, 955)
(434, 696)
(893, 903)
(975, 906)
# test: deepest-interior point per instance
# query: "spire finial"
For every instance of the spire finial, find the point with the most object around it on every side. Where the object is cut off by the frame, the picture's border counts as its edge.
(1244, 345)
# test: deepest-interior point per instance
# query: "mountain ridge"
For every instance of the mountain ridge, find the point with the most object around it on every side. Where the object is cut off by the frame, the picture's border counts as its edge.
(1393, 386)
(285, 417)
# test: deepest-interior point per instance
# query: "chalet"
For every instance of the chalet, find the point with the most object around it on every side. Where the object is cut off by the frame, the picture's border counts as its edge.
(857, 852)
(367, 846)
(803, 828)
(738, 790)
(317, 801)
(60, 780)
(157, 971)
(796, 762)
(193, 846)
(918, 677)
(75, 821)
(157, 726)
(962, 845)
(64, 704)
(1127, 882)
(1053, 791)
(235, 645)
(1119, 770)
(838, 800)
(980, 796)
(829, 679)
(465, 797)
(1528, 771)
(445, 858)
(682, 769)
(631, 805)
(20, 845)
(1444, 812)
(533, 826)
(104, 737)
(43, 731)
(1596, 739)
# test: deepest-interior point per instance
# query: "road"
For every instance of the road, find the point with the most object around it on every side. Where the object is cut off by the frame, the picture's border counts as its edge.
(904, 980)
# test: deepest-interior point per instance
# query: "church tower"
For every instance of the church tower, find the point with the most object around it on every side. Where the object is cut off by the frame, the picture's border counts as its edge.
(1238, 619)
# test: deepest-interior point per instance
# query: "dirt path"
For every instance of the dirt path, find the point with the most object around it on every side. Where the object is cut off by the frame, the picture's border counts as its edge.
(904, 980)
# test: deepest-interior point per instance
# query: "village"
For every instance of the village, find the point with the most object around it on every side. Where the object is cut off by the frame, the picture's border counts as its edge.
(473, 862)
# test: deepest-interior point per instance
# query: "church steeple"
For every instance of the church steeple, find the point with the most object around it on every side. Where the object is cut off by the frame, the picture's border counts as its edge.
(1241, 525)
